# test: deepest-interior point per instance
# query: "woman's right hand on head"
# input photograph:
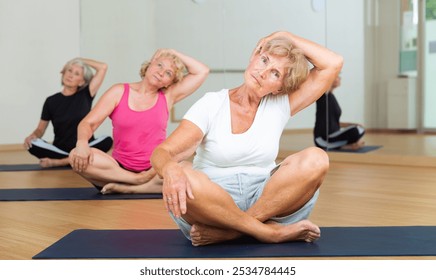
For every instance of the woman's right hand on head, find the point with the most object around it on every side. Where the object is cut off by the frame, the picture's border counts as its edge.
(81, 157)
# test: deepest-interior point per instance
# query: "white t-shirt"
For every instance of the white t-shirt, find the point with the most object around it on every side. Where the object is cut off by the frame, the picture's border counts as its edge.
(222, 153)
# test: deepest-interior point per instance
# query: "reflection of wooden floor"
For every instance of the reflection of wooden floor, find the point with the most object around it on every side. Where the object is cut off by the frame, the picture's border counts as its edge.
(354, 193)
(398, 149)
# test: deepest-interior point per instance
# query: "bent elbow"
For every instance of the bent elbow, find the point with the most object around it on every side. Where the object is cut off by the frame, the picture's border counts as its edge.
(205, 72)
(339, 63)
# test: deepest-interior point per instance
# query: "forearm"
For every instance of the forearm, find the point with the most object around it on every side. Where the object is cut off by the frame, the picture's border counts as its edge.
(179, 146)
(161, 159)
(193, 66)
(197, 74)
(40, 130)
(319, 56)
(97, 65)
(100, 72)
(37, 133)
(326, 67)
(84, 133)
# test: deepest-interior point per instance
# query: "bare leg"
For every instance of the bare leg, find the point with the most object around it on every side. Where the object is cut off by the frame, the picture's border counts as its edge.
(53, 162)
(298, 178)
(214, 208)
(153, 186)
(293, 185)
(202, 234)
(105, 170)
(303, 230)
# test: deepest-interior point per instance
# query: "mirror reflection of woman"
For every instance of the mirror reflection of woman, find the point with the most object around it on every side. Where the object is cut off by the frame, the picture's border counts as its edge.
(139, 112)
(329, 132)
(65, 110)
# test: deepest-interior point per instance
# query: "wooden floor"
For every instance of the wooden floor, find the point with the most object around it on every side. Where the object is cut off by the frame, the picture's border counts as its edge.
(393, 186)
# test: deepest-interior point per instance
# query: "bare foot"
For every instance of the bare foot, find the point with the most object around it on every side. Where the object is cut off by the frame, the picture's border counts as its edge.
(204, 235)
(124, 188)
(354, 146)
(116, 188)
(303, 230)
(50, 162)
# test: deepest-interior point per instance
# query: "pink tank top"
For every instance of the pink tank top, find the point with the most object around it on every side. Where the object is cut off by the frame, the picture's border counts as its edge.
(137, 133)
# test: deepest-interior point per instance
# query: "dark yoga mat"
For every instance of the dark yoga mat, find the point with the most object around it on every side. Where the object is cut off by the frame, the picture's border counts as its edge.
(66, 194)
(364, 149)
(29, 167)
(334, 242)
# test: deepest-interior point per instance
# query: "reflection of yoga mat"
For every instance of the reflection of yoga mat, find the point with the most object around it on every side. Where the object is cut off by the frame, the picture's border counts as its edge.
(65, 194)
(29, 167)
(362, 150)
(334, 242)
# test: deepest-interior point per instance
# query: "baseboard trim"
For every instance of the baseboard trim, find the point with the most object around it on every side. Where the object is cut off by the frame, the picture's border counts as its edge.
(11, 147)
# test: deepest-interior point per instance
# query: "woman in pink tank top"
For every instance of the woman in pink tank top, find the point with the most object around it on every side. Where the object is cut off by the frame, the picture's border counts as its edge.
(139, 112)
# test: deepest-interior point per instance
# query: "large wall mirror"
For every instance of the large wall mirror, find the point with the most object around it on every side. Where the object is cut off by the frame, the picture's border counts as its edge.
(379, 40)
(428, 61)
(388, 46)
(222, 34)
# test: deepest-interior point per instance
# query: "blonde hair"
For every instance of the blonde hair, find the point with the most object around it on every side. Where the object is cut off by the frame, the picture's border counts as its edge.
(298, 67)
(87, 71)
(181, 69)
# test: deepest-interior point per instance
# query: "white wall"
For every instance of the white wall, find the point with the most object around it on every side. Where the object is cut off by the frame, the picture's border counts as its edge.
(120, 33)
(223, 34)
(345, 35)
(36, 39)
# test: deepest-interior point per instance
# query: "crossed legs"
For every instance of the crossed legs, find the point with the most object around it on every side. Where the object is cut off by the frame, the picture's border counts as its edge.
(105, 172)
(48, 154)
(215, 217)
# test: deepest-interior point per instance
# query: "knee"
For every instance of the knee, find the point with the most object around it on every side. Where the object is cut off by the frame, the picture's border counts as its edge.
(318, 159)
(195, 177)
(197, 180)
(312, 160)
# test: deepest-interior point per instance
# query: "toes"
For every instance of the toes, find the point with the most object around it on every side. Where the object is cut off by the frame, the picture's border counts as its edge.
(194, 233)
(312, 236)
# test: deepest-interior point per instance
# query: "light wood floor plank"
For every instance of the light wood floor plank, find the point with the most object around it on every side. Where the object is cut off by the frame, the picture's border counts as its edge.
(355, 193)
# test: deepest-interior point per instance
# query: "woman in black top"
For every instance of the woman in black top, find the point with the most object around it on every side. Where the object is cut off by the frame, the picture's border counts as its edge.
(65, 110)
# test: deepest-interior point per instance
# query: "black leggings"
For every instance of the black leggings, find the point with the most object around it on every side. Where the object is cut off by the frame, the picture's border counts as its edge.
(42, 149)
(338, 139)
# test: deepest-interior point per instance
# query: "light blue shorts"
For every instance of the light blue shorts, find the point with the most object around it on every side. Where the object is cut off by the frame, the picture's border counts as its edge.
(245, 189)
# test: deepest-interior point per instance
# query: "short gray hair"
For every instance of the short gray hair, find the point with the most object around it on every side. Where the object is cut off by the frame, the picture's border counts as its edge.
(87, 71)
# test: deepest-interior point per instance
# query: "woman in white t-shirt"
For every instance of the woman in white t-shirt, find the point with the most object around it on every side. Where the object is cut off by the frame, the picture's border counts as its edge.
(234, 188)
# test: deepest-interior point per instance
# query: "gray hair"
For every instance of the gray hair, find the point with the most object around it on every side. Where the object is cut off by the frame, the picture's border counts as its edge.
(87, 71)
